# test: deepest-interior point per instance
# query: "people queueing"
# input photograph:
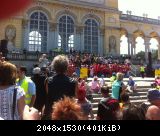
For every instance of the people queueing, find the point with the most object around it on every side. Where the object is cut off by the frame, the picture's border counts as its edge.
(28, 85)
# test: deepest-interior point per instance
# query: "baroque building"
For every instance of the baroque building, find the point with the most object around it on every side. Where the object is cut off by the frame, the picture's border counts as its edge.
(93, 26)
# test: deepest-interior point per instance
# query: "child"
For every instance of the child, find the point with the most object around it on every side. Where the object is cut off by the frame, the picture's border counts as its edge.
(125, 102)
(131, 85)
(95, 86)
(85, 104)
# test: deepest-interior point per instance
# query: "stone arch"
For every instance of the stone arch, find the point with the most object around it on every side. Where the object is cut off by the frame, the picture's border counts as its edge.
(93, 16)
(38, 8)
(154, 35)
(123, 31)
(66, 12)
(138, 33)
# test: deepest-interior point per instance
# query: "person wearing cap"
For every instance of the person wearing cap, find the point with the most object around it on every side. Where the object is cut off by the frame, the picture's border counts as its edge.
(154, 97)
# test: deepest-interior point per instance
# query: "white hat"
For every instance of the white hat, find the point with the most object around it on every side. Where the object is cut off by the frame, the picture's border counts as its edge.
(36, 70)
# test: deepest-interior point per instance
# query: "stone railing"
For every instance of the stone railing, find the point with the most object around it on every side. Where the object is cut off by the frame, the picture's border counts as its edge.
(140, 19)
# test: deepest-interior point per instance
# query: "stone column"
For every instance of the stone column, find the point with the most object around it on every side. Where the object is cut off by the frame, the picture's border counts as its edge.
(79, 39)
(158, 39)
(25, 27)
(131, 41)
(158, 51)
(101, 47)
(53, 36)
(147, 47)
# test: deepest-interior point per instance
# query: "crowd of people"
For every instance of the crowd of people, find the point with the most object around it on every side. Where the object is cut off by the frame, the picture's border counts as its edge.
(50, 94)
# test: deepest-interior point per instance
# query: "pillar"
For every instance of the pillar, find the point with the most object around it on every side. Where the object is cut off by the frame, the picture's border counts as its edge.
(131, 41)
(147, 47)
(101, 45)
(53, 36)
(79, 42)
(25, 26)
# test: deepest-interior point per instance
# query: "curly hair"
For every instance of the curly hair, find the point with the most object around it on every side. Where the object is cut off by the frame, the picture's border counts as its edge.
(60, 64)
(67, 109)
(8, 73)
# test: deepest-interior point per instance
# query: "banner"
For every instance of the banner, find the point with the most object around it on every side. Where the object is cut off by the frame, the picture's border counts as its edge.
(83, 72)
(157, 72)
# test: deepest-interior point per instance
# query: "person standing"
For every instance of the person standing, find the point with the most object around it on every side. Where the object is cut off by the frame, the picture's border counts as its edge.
(142, 71)
(11, 97)
(39, 79)
(118, 87)
(28, 85)
(59, 85)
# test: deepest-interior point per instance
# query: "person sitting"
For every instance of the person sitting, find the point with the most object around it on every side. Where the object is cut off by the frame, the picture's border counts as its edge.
(95, 86)
(156, 83)
(131, 85)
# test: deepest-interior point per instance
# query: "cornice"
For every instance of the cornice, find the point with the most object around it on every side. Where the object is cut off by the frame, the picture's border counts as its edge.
(82, 5)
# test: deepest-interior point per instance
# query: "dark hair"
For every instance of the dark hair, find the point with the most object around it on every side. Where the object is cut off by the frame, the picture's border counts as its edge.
(132, 112)
(125, 97)
(23, 69)
(105, 90)
(107, 109)
(8, 73)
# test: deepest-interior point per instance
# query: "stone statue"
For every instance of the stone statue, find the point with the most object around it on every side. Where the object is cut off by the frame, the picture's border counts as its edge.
(10, 36)
(112, 44)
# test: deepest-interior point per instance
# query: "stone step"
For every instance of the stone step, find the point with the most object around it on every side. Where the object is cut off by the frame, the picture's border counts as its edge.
(137, 102)
(132, 99)
(138, 97)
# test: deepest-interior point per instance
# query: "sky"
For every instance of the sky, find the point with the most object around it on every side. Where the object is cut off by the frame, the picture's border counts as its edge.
(140, 7)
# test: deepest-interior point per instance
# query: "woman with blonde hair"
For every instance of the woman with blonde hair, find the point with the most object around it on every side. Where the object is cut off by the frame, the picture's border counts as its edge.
(11, 97)
(118, 87)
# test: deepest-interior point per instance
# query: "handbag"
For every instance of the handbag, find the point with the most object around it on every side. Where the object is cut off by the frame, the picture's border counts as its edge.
(14, 102)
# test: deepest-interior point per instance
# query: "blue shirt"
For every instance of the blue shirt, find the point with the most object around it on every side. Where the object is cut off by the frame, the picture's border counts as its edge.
(131, 83)
(31, 86)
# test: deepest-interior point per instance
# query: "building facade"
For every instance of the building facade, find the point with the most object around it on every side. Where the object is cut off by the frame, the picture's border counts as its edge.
(92, 26)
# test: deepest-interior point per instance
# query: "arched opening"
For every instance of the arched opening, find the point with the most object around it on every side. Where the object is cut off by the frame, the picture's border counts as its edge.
(124, 45)
(38, 32)
(91, 34)
(35, 41)
(139, 47)
(66, 33)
